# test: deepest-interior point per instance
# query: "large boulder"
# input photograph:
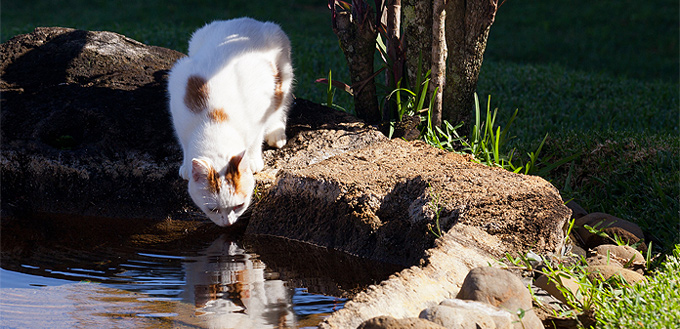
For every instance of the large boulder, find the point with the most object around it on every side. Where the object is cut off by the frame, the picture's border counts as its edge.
(85, 127)
(382, 201)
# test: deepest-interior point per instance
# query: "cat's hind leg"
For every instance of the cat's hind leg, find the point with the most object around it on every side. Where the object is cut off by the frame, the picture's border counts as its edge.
(275, 127)
(275, 134)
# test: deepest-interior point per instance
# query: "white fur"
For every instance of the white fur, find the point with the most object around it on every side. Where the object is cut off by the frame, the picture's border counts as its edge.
(239, 58)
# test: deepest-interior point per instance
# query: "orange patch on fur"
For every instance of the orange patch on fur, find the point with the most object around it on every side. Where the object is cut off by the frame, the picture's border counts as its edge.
(278, 91)
(213, 179)
(196, 96)
(218, 115)
(233, 175)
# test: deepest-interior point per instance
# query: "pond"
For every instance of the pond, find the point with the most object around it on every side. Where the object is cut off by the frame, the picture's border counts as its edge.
(65, 272)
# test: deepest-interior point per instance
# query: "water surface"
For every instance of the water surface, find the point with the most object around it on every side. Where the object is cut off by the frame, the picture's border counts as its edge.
(66, 273)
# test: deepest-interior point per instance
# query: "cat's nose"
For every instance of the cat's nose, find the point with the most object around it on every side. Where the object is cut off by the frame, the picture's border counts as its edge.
(232, 218)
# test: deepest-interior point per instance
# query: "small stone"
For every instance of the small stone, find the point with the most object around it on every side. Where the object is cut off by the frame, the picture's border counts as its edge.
(603, 260)
(496, 287)
(578, 251)
(566, 281)
(605, 272)
(458, 313)
(388, 322)
(612, 226)
(461, 314)
(502, 289)
(626, 255)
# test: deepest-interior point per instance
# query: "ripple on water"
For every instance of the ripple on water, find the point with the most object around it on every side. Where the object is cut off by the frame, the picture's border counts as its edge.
(200, 284)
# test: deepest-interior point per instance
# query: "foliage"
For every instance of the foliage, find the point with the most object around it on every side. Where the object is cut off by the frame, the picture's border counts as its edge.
(330, 93)
(614, 303)
(653, 304)
(435, 227)
(488, 142)
(632, 176)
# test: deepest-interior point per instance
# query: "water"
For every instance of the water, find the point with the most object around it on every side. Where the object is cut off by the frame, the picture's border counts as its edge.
(101, 276)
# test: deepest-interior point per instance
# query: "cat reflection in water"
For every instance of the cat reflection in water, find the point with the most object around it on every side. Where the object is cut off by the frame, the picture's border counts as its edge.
(228, 96)
(227, 286)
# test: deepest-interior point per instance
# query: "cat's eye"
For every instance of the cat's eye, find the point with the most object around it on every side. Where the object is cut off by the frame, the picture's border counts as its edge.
(214, 210)
(237, 207)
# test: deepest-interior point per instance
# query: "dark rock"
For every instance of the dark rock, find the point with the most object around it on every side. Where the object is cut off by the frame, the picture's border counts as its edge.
(406, 129)
(576, 210)
(388, 322)
(85, 128)
(613, 226)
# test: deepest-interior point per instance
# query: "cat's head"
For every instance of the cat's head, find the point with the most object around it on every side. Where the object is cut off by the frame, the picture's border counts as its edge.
(223, 194)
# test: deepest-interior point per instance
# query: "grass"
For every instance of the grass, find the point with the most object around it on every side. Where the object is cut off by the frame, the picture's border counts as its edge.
(654, 304)
(600, 78)
(612, 303)
(623, 38)
(626, 132)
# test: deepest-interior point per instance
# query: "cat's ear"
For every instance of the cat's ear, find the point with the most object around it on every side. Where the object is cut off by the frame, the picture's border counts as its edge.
(237, 163)
(199, 169)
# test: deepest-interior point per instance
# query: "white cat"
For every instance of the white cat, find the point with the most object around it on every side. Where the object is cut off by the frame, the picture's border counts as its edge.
(231, 93)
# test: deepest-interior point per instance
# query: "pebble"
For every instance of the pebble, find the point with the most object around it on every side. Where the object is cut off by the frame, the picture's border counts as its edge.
(388, 322)
(604, 272)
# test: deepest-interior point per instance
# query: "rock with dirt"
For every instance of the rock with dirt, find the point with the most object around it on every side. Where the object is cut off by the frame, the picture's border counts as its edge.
(389, 201)
(380, 202)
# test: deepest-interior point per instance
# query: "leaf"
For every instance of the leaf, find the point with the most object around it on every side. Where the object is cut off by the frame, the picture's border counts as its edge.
(337, 84)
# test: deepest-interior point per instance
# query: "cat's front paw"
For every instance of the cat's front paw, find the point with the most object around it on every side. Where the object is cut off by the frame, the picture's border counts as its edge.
(276, 138)
(256, 164)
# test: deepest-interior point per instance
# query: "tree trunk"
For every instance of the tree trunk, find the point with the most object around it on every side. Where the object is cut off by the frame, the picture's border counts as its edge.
(394, 54)
(417, 22)
(357, 40)
(438, 61)
(393, 41)
(467, 30)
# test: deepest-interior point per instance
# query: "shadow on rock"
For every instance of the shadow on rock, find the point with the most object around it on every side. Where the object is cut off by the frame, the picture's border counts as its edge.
(85, 126)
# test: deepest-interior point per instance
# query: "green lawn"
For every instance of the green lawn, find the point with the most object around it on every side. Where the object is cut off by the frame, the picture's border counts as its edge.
(601, 78)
